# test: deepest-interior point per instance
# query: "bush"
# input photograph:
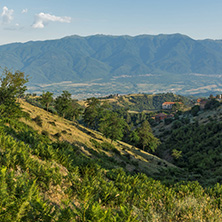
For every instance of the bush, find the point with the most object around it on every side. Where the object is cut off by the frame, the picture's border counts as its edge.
(52, 110)
(177, 124)
(96, 144)
(45, 133)
(64, 132)
(212, 104)
(57, 135)
(38, 120)
(167, 121)
(107, 146)
(52, 123)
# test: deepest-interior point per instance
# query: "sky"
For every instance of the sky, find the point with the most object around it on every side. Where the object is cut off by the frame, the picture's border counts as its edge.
(29, 20)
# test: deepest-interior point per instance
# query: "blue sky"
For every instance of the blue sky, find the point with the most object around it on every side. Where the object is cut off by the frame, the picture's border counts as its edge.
(26, 20)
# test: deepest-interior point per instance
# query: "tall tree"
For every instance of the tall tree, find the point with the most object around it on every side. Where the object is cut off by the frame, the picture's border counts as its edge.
(63, 103)
(147, 140)
(91, 113)
(74, 111)
(12, 87)
(46, 99)
(112, 126)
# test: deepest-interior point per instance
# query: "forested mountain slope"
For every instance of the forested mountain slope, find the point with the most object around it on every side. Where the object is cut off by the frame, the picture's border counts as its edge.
(52, 169)
(78, 58)
(118, 64)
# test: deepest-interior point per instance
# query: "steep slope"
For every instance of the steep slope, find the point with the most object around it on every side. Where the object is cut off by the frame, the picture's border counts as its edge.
(41, 180)
(93, 144)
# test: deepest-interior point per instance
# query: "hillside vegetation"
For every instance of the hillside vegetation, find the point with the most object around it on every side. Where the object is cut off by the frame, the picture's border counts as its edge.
(193, 143)
(52, 169)
(144, 102)
(46, 180)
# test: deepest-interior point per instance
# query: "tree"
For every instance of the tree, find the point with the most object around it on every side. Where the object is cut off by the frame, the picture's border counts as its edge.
(46, 99)
(63, 103)
(134, 138)
(147, 140)
(211, 96)
(195, 109)
(92, 111)
(12, 87)
(112, 126)
(176, 106)
(74, 111)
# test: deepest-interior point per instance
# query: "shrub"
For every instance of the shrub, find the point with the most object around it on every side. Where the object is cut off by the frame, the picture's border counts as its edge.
(57, 135)
(96, 144)
(52, 110)
(38, 120)
(64, 132)
(177, 124)
(52, 123)
(45, 133)
(195, 109)
(107, 146)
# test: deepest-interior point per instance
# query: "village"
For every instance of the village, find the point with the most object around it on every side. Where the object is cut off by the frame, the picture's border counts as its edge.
(168, 109)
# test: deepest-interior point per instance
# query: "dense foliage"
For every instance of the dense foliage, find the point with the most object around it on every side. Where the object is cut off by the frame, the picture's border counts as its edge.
(12, 87)
(199, 147)
(33, 170)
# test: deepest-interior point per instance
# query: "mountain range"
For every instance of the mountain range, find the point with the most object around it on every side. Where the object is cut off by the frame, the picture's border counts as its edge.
(102, 64)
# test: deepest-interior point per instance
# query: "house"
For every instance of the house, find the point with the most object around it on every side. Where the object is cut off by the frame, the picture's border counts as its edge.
(160, 116)
(169, 105)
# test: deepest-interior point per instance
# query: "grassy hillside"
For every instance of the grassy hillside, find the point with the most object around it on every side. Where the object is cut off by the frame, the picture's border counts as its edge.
(92, 143)
(56, 170)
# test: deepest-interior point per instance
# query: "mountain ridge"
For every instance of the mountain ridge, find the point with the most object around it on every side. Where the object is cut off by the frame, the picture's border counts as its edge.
(101, 57)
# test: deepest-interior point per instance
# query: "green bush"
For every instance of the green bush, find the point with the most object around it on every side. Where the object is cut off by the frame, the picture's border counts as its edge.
(38, 120)
(45, 133)
(57, 135)
(52, 123)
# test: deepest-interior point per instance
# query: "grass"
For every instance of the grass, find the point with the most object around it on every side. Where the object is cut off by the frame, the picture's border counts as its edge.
(89, 140)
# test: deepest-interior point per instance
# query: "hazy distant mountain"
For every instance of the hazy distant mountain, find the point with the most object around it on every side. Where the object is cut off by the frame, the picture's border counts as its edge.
(80, 59)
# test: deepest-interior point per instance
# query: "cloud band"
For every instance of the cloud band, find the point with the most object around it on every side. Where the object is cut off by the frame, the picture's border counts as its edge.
(42, 19)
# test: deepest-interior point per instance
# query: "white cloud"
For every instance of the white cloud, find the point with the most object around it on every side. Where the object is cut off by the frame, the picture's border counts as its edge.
(42, 19)
(24, 10)
(7, 15)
